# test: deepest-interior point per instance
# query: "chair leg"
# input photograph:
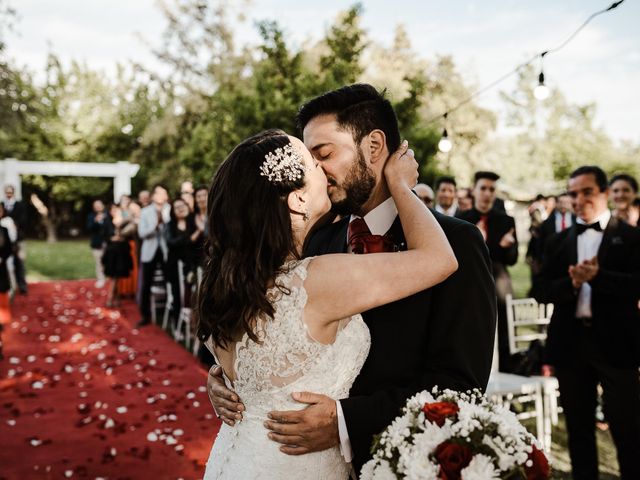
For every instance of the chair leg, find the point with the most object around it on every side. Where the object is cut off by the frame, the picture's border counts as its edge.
(547, 421)
(540, 417)
(153, 308)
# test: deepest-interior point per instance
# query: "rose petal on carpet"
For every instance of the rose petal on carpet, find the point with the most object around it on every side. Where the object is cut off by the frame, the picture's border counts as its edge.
(84, 394)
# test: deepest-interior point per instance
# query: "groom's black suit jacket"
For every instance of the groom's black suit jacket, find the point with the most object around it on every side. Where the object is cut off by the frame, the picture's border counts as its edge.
(441, 336)
(614, 296)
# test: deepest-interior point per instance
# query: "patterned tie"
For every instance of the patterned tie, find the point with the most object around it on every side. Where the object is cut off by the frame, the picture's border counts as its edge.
(361, 240)
(563, 222)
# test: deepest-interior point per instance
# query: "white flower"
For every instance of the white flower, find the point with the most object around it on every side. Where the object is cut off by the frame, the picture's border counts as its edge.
(480, 468)
(383, 472)
(414, 462)
(367, 470)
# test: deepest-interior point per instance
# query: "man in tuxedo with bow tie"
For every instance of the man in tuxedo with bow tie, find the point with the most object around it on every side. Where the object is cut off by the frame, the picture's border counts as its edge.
(442, 336)
(591, 273)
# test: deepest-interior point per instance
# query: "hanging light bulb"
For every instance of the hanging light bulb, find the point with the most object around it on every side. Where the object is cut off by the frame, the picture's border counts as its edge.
(541, 92)
(445, 145)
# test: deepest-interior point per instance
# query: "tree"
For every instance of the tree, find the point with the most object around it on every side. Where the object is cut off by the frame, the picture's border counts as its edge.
(549, 139)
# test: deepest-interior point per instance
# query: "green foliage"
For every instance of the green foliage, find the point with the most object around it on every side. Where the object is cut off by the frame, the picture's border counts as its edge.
(182, 125)
(551, 139)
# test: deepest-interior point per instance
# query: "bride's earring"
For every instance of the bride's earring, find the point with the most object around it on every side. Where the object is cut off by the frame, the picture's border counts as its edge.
(305, 216)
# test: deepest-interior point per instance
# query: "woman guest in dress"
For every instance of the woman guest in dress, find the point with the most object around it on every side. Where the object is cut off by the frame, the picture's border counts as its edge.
(117, 260)
(181, 235)
(201, 197)
(623, 190)
(6, 250)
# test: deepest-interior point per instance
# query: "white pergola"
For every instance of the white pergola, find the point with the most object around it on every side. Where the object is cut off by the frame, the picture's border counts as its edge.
(121, 172)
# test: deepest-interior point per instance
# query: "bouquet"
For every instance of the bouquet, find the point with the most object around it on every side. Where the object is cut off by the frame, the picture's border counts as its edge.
(450, 435)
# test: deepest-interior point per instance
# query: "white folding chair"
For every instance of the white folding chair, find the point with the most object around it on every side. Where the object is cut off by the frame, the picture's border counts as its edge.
(527, 321)
(182, 330)
(507, 388)
(160, 296)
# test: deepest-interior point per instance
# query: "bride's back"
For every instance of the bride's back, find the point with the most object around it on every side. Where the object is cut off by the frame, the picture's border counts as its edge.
(285, 359)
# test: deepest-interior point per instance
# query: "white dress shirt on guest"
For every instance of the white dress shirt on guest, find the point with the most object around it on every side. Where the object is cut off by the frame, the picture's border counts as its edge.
(568, 220)
(588, 245)
(450, 212)
(379, 220)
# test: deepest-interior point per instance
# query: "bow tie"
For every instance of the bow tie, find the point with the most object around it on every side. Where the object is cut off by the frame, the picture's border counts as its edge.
(361, 240)
(581, 227)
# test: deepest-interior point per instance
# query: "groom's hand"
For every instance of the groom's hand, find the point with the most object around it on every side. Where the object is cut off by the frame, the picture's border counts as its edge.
(224, 401)
(310, 430)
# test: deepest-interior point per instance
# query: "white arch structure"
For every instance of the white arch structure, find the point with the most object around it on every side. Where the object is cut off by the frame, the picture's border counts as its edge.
(121, 172)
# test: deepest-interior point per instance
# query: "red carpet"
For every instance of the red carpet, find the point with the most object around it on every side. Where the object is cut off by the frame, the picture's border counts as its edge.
(83, 394)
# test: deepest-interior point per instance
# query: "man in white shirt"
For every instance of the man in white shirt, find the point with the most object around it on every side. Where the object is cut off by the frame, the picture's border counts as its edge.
(591, 273)
(446, 195)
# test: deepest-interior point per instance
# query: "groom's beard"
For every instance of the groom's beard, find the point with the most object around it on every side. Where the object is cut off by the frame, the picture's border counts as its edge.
(357, 187)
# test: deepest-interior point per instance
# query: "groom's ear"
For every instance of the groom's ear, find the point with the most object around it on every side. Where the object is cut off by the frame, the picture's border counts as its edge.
(377, 146)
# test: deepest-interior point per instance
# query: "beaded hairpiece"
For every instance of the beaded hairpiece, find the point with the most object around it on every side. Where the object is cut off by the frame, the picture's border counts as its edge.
(285, 163)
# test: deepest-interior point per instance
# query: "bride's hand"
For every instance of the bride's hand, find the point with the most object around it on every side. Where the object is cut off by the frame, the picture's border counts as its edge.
(401, 168)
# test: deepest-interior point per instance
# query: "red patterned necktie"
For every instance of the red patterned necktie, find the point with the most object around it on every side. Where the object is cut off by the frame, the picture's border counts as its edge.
(361, 240)
(563, 222)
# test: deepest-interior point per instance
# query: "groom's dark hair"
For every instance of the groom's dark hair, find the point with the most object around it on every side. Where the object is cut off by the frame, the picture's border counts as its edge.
(359, 108)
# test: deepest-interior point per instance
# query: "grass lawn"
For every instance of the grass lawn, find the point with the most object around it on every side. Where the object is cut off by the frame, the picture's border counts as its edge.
(72, 259)
(64, 260)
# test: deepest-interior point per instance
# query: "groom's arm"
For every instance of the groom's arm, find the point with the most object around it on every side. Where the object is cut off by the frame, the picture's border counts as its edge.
(459, 347)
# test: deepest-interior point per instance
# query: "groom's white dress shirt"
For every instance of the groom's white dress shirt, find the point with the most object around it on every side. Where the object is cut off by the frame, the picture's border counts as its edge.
(588, 245)
(379, 220)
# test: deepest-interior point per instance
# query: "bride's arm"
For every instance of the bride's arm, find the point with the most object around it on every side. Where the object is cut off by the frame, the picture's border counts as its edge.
(341, 285)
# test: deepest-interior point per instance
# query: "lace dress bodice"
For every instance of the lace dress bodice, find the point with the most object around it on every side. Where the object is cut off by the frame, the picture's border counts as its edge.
(286, 359)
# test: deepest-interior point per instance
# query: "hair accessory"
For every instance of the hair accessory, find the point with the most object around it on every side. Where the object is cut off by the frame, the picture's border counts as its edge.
(285, 163)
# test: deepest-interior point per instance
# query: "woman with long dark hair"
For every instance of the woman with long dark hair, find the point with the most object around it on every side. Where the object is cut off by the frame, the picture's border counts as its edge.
(181, 234)
(201, 218)
(279, 324)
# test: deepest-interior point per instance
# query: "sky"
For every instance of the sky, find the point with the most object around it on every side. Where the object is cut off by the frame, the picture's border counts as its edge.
(486, 39)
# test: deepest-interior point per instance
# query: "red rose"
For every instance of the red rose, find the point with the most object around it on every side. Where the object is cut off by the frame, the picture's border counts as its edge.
(437, 412)
(452, 458)
(540, 468)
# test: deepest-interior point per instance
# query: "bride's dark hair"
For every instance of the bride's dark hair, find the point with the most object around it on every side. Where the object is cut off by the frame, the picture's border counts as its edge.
(249, 240)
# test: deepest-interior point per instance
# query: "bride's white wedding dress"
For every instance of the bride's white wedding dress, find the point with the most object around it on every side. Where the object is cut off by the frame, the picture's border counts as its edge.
(286, 360)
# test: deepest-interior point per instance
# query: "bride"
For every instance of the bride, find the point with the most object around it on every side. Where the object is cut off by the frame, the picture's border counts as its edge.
(279, 324)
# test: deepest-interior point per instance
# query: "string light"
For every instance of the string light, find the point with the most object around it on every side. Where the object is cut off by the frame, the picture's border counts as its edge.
(445, 145)
(541, 91)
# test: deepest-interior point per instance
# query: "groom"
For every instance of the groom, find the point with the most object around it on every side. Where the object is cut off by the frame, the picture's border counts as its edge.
(441, 336)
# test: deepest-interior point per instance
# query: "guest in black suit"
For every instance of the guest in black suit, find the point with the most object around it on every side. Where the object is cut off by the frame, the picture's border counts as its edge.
(446, 196)
(561, 219)
(442, 336)
(499, 231)
(591, 273)
(100, 228)
(17, 210)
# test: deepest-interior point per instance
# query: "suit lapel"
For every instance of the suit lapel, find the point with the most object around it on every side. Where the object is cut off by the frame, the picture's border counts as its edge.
(338, 243)
(572, 239)
(612, 226)
(397, 235)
